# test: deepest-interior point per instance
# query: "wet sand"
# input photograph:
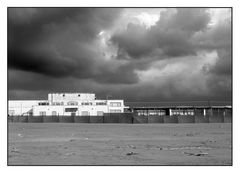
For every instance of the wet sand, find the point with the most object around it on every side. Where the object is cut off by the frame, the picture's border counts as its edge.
(119, 144)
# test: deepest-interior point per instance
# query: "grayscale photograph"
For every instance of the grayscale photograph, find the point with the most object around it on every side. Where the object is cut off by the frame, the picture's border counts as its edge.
(94, 86)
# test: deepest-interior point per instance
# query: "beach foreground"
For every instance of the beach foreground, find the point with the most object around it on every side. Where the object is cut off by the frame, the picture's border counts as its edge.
(119, 144)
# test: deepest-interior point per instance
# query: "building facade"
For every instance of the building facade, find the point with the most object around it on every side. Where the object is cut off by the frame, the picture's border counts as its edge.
(181, 110)
(67, 104)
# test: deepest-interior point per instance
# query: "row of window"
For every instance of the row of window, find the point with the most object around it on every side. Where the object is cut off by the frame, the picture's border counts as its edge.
(115, 104)
(182, 112)
(72, 103)
(79, 95)
(43, 103)
(64, 95)
(151, 112)
(76, 103)
(84, 113)
(115, 111)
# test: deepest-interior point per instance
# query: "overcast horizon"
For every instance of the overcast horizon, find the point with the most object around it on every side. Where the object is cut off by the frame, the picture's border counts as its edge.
(135, 54)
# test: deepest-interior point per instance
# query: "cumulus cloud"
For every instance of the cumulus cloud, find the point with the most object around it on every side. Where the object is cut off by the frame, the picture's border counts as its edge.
(172, 34)
(184, 53)
(61, 42)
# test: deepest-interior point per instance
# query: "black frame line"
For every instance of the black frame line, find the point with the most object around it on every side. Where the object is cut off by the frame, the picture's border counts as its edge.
(231, 7)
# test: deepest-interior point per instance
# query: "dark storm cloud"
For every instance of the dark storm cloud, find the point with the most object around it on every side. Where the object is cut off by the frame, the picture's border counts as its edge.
(61, 42)
(136, 41)
(57, 50)
(183, 33)
(218, 38)
(219, 74)
(223, 65)
(122, 75)
(42, 22)
(38, 61)
(172, 34)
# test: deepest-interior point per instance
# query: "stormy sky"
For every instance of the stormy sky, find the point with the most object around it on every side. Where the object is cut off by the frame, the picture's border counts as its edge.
(136, 54)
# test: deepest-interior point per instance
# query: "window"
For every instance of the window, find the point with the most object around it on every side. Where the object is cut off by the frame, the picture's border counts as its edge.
(71, 109)
(42, 112)
(72, 103)
(152, 112)
(115, 111)
(115, 104)
(85, 103)
(54, 112)
(142, 112)
(190, 112)
(100, 113)
(11, 112)
(56, 103)
(84, 112)
(162, 112)
(101, 103)
(43, 103)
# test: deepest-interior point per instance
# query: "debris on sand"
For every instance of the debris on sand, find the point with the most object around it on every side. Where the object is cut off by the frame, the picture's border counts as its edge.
(131, 146)
(211, 141)
(151, 146)
(70, 154)
(131, 153)
(187, 148)
(189, 134)
(195, 154)
(15, 150)
(72, 140)
(20, 135)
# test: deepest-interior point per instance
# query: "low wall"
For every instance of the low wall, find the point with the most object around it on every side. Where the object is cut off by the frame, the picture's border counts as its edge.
(96, 119)
(170, 119)
(201, 119)
(140, 119)
(66, 119)
(216, 119)
(221, 112)
(10, 119)
(111, 118)
(35, 119)
(125, 118)
(228, 112)
(23, 119)
(155, 119)
(50, 119)
(186, 119)
(215, 112)
(128, 118)
(227, 119)
(198, 112)
(81, 119)
(15, 119)
(208, 112)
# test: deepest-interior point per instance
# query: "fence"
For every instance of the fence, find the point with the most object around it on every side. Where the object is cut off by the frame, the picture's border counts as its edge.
(127, 118)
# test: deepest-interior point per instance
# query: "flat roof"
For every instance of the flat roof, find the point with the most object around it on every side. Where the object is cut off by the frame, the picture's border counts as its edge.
(178, 104)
